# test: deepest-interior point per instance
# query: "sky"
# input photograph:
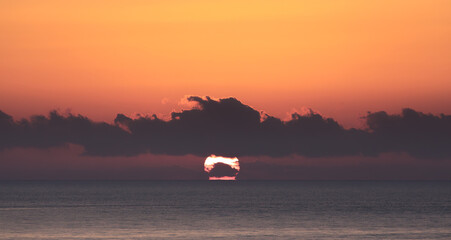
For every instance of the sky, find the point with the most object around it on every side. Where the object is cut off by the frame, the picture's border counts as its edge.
(348, 61)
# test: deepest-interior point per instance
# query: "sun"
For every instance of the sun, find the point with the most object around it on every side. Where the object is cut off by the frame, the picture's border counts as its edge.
(221, 168)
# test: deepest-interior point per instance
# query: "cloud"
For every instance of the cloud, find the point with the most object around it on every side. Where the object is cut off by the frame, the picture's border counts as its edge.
(221, 170)
(387, 167)
(228, 127)
(421, 135)
(40, 131)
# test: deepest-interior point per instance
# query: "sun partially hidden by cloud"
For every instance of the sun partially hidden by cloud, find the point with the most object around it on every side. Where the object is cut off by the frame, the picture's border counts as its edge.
(221, 168)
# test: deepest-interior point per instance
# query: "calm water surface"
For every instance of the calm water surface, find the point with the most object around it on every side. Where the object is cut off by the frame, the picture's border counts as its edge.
(225, 210)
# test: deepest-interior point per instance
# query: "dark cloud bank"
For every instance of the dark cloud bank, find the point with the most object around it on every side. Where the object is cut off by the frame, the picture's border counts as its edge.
(221, 169)
(228, 127)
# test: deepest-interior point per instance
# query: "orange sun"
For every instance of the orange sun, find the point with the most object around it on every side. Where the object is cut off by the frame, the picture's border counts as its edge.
(212, 161)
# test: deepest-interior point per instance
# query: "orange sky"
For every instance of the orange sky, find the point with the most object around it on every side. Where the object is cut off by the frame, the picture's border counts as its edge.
(341, 58)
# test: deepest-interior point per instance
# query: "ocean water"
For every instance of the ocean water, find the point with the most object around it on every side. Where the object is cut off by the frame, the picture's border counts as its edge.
(225, 210)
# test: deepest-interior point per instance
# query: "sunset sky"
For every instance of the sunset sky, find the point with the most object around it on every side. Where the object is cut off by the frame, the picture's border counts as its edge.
(342, 59)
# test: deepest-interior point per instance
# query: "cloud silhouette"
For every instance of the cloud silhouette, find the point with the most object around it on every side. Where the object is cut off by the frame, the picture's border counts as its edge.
(421, 135)
(221, 170)
(393, 168)
(228, 127)
(56, 130)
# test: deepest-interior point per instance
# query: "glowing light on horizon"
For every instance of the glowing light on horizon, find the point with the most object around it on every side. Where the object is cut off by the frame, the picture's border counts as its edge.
(225, 178)
(213, 159)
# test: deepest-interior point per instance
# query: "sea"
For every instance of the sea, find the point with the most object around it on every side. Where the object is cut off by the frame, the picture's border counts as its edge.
(225, 210)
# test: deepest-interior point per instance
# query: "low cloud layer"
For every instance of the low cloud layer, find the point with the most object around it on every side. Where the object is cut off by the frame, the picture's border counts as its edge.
(229, 128)
(221, 170)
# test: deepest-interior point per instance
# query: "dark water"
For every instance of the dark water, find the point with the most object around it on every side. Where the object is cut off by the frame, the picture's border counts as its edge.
(225, 210)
